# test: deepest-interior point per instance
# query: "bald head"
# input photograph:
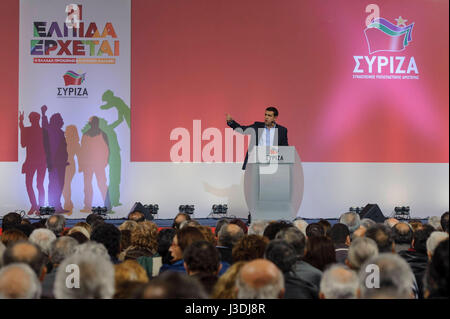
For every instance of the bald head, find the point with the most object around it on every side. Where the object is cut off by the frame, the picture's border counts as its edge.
(391, 222)
(27, 253)
(18, 281)
(260, 279)
(229, 235)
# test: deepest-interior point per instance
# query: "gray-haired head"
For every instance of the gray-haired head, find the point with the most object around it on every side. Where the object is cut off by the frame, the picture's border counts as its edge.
(56, 224)
(294, 237)
(92, 247)
(339, 282)
(391, 222)
(301, 225)
(43, 238)
(360, 250)
(229, 235)
(351, 220)
(19, 281)
(84, 276)
(434, 240)
(386, 276)
(257, 227)
(367, 222)
(435, 221)
(62, 248)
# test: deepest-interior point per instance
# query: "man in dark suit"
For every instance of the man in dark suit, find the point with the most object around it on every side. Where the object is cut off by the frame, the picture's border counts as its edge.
(267, 133)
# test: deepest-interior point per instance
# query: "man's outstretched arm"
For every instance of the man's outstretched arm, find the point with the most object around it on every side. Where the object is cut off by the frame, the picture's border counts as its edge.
(235, 125)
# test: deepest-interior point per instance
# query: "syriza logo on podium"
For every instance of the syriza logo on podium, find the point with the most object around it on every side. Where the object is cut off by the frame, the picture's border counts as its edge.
(381, 36)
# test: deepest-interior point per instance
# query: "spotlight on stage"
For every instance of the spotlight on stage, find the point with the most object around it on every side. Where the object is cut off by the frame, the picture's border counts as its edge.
(357, 210)
(99, 210)
(219, 210)
(188, 209)
(46, 210)
(402, 213)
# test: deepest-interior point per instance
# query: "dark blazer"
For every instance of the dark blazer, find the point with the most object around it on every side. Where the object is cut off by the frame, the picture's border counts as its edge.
(280, 133)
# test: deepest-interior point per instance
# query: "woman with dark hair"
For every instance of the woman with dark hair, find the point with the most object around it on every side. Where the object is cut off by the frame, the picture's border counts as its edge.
(437, 277)
(320, 252)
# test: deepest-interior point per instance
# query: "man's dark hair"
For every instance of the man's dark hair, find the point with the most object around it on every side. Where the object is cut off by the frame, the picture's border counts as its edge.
(437, 278)
(164, 239)
(202, 257)
(281, 254)
(14, 254)
(187, 236)
(27, 229)
(136, 216)
(339, 233)
(272, 109)
(444, 222)
(315, 230)
(10, 220)
(79, 237)
(273, 228)
(325, 225)
(294, 237)
(420, 238)
(219, 224)
(382, 235)
(320, 252)
(109, 236)
(403, 233)
(227, 238)
(92, 218)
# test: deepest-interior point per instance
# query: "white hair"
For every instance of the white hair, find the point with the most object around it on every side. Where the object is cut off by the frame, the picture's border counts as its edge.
(43, 238)
(94, 275)
(62, 248)
(434, 240)
(367, 223)
(435, 221)
(351, 220)
(339, 282)
(257, 227)
(392, 273)
(93, 247)
(301, 224)
(269, 291)
(19, 281)
(361, 249)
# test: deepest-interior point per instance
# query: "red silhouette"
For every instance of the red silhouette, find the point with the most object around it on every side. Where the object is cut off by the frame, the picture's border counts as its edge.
(73, 149)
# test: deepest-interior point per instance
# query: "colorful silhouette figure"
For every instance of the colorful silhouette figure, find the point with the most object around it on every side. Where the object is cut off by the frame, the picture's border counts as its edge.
(118, 103)
(56, 154)
(93, 159)
(73, 149)
(31, 138)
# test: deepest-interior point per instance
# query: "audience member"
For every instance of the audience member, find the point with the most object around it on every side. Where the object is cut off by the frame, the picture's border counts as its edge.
(56, 224)
(249, 248)
(314, 230)
(325, 225)
(444, 222)
(43, 238)
(435, 221)
(403, 235)
(351, 220)
(274, 227)
(27, 253)
(128, 271)
(109, 236)
(391, 222)
(340, 236)
(13, 235)
(339, 282)
(361, 249)
(79, 237)
(383, 236)
(136, 216)
(10, 220)
(433, 241)
(241, 224)
(437, 278)
(225, 288)
(179, 218)
(143, 242)
(320, 252)
(257, 227)
(19, 281)
(301, 225)
(228, 236)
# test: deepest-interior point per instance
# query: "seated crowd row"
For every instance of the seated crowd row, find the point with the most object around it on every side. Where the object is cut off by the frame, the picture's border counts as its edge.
(354, 258)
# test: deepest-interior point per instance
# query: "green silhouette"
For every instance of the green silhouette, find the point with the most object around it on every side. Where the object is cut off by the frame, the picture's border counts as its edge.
(118, 103)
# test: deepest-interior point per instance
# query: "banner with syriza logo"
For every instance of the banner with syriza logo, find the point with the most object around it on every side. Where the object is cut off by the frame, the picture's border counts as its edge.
(384, 37)
(74, 105)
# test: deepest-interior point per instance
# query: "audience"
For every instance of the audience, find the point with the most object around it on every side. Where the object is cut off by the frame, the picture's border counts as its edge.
(56, 224)
(225, 288)
(257, 227)
(437, 278)
(383, 236)
(19, 281)
(228, 236)
(339, 282)
(361, 249)
(340, 236)
(320, 252)
(249, 248)
(351, 220)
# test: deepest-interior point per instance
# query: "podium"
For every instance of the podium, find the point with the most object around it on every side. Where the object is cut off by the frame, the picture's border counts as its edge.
(273, 183)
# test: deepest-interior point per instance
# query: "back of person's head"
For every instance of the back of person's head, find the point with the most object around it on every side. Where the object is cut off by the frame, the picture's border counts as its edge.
(208, 234)
(13, 235)
(420, 238)
(444, 222)
(257, 227)
(94, 248)
(402, 233)
(395, 279)
(96, 278)
(240, 223)
(437, 277)
(201, 257)
(314, 230)
(260, 279)
(325, 225)
(179, 218)
(136, 216)
(79, 237)
(281, 254)
(229, 235)
(219, 225)
(19, 281)
(274, 227)
(225, 287)
(85, 226)
(294, 237)
(173, 285)
(367, 223)
(189, 223)
(164, 239)
(79, 229)
(339, 282)
(415, 224)
(383, 236)
(128, 225)
(145, 237)
(109, 236)
(10, 220)
(43, 238)
(320, 252)
(94, 218)
(390, 222)
(27, 229)
(435, 221)
(433, 241)
(56, 224)
(360, 250)
(249, 247)
(188, 235)
(62, 248)
(340, 234)
(129, 270)
(27, 253)
(351, 220)
(301, 225)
